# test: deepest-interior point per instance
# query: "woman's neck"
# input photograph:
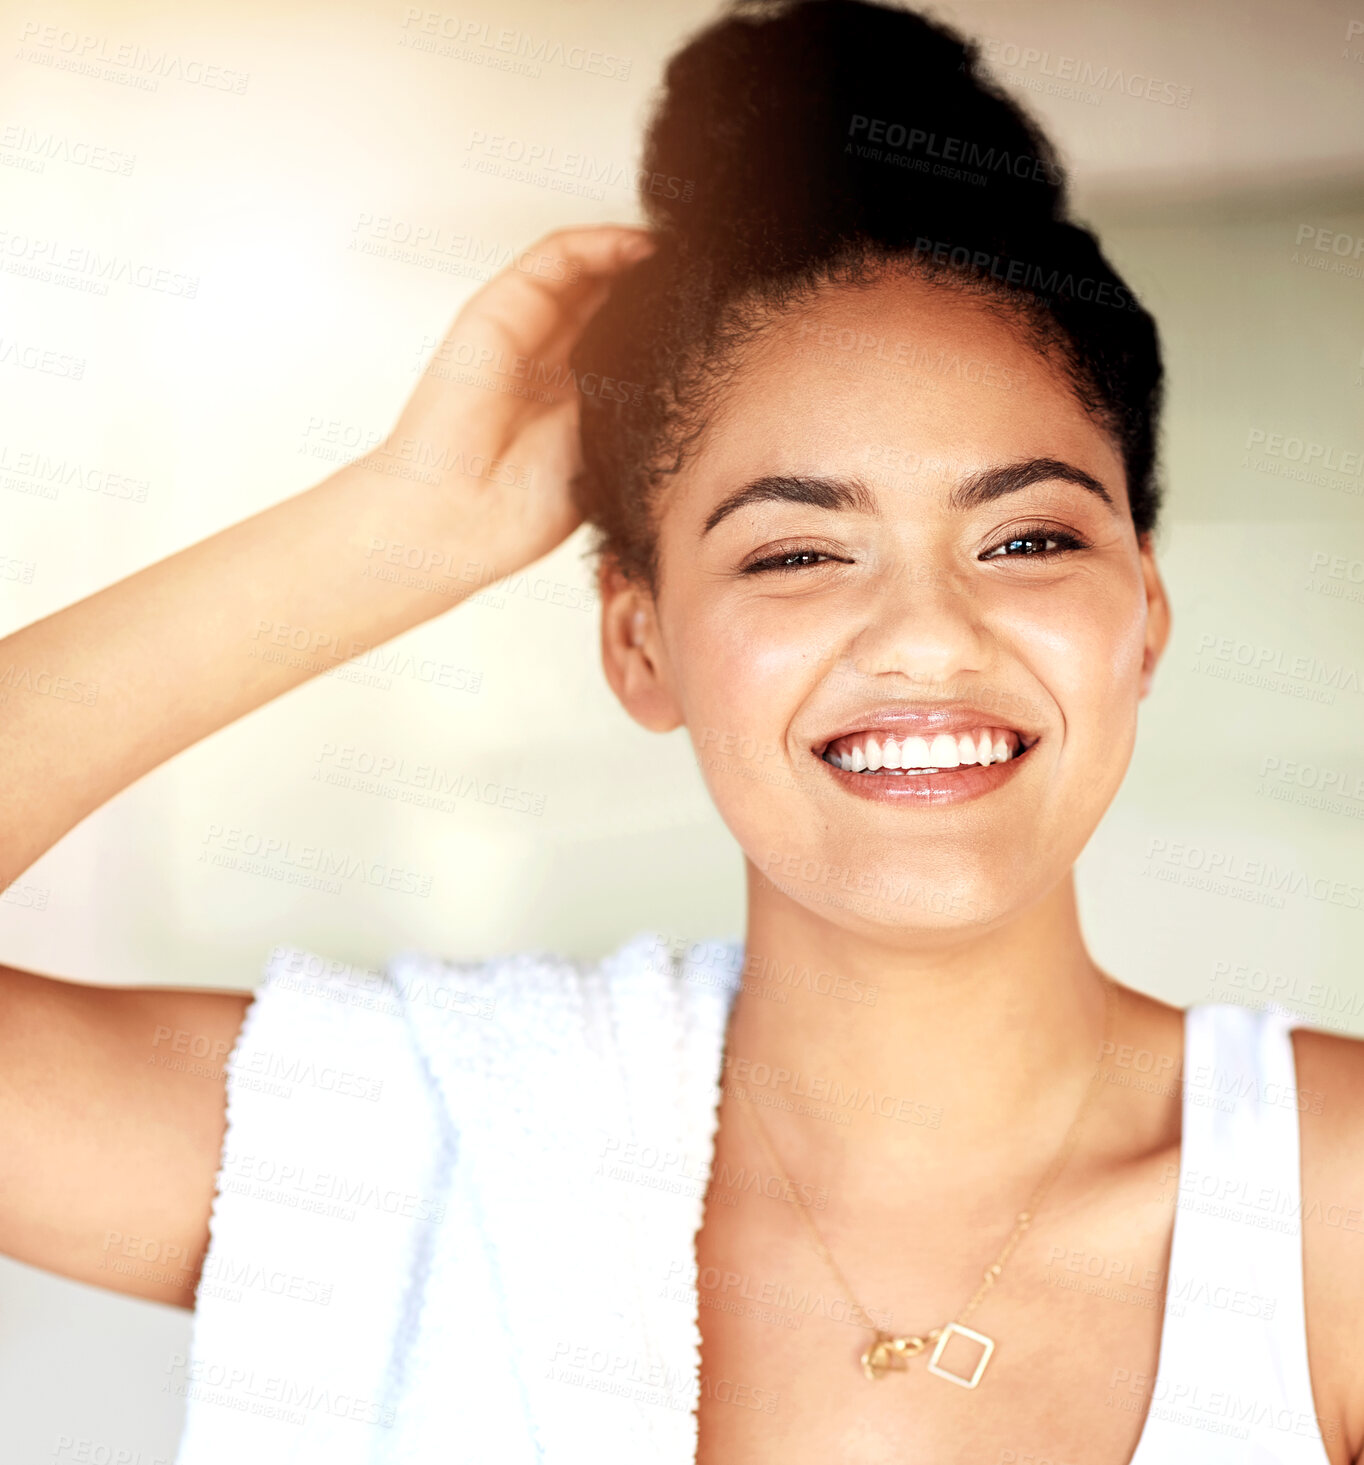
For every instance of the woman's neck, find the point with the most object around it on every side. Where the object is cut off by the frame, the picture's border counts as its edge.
(985, 1041)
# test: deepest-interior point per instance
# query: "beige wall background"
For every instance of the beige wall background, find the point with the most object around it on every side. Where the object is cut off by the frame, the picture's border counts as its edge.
(267, 213)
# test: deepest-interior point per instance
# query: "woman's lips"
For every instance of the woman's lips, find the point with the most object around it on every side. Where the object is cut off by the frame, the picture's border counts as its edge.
(938, 786)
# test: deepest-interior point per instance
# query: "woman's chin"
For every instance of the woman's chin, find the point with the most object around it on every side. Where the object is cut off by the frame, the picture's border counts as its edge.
(897, 903)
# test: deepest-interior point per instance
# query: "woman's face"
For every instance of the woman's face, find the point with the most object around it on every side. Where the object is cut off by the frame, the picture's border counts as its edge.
(959, 560)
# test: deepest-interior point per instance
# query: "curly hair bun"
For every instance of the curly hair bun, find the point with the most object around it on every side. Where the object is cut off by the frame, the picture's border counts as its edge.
(799, 144)
(793, 128)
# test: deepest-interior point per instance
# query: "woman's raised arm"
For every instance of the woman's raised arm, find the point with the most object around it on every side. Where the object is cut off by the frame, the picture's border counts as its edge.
(109, 688)
(109, 1142)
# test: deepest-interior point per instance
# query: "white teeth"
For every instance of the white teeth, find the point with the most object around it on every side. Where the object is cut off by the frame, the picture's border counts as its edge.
(942, 752)
(914, 753)
(984, 746)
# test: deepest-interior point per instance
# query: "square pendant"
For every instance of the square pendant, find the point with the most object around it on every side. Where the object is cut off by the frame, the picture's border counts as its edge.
(987, 1347)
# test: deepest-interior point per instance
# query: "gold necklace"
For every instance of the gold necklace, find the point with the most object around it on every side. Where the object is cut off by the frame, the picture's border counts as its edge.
(890, 1350)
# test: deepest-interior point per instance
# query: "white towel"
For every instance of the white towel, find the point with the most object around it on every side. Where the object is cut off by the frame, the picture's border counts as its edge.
(457, 1210)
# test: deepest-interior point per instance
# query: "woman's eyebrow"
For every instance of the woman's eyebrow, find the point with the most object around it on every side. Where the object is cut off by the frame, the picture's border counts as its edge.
(845, 495)
(993, 483)
(849, 496)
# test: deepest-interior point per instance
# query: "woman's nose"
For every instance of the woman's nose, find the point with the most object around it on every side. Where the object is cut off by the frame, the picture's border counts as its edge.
(921, 622)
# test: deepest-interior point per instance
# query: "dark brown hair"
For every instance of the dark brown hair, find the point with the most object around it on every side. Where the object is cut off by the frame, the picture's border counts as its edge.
(799, 144)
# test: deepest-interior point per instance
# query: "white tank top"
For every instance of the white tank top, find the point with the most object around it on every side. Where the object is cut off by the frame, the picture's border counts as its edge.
(457, 1207)
(1232, 1384)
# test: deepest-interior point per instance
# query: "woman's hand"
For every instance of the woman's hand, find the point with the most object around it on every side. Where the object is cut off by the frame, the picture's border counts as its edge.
(496, 412)
(156, 662)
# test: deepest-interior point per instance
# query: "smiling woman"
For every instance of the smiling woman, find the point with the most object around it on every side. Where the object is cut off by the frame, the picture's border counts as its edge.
(874, 525)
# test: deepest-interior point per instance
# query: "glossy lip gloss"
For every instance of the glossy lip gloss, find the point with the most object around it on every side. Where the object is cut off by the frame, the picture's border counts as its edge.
(925, 722)
(945, 786)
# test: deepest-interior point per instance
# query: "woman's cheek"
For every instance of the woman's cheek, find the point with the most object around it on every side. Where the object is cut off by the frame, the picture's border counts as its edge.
(1086, 650)
(727, 677)
(745, 678)
(753, 651)
(1114, 644)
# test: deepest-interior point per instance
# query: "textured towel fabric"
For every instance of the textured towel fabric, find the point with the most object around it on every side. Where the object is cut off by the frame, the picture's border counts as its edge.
(457, 1211)
(458, 1203)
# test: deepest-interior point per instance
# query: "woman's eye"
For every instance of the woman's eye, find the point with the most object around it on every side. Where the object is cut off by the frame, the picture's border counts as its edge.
(1035, 543)
(791, 559)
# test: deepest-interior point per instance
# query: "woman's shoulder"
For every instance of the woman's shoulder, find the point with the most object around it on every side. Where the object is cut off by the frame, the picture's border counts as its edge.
(1330, 1083)
(1330, 1101)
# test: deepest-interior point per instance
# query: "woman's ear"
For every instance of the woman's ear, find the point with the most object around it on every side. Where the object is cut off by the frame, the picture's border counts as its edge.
(1157, 614)
(632, 650)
